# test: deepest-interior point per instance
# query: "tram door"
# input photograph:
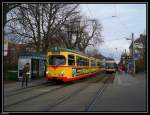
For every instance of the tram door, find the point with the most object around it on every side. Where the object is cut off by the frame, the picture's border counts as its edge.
(35, 68)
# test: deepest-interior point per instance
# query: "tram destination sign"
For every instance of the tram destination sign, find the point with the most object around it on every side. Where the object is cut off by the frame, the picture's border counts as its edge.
(56, 52)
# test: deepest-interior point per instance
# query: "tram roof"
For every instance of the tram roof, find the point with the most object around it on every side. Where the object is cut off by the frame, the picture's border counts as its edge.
(57, 49)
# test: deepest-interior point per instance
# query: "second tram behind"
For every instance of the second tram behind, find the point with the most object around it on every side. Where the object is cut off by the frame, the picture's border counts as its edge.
(110, 66)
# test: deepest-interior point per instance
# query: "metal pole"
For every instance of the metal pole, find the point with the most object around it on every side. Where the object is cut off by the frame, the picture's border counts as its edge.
(133, 53)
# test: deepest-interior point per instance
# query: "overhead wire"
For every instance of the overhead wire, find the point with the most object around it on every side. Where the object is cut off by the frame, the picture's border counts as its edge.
(115, 8)
(121, 22)
(117, 39)
(89, 10)
(115, 15)
(114, 54)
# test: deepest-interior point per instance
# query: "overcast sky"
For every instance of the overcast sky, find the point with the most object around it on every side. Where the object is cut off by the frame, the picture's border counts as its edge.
(129, 18)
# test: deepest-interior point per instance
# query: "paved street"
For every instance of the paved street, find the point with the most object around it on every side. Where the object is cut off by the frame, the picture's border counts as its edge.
(127, 93)
(103, 92)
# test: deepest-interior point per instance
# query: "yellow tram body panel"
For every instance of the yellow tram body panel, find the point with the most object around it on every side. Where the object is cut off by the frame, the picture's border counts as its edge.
(55, 71)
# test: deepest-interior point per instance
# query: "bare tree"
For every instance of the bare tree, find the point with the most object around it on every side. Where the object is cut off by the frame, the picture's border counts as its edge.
(90, 35)
(86, 32)
(37, 24)
(7, 7)
(67, 31)
(47, 25)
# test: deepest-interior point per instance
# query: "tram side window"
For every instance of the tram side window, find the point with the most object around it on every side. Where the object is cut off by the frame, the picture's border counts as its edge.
(71, 60)
(79, 61)
(82, 61)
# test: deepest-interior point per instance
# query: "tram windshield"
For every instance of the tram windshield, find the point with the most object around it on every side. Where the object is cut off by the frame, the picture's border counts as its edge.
(57, 60)
(110, 65)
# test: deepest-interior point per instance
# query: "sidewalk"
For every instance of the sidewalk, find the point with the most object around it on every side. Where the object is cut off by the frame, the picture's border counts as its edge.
(127, 93)
(18, 84)
(133, 75)
(140, 75)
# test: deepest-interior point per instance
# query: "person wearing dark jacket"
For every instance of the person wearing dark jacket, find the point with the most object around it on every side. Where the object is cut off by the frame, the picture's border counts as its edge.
(25, 74)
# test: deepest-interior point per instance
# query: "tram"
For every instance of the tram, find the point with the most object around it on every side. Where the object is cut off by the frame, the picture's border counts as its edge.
(110, 66)
(69, 65)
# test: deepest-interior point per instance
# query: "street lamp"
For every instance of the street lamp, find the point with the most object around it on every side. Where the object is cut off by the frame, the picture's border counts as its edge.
(132, 39)
(116, 53)
(114, 16)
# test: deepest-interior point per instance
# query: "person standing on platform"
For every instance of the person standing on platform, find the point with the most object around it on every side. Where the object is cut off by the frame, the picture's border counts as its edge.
(25, 74)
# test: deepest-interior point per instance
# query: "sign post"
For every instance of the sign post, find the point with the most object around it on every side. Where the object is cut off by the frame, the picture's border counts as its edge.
(5, 48)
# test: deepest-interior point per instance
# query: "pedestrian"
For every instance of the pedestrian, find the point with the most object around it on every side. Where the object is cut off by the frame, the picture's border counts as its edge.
(25, 74)
(129, 68)
(123, 68)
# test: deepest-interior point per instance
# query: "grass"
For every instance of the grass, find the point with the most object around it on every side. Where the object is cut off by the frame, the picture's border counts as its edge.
(13, 76)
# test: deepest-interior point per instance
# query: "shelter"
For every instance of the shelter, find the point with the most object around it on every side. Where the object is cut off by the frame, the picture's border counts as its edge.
(36, 62)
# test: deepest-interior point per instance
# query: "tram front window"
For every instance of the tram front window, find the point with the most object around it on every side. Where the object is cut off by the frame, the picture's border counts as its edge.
(57, 60)
(110, 65)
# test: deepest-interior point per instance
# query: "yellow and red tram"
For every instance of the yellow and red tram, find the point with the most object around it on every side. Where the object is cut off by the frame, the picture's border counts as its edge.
(68, 65)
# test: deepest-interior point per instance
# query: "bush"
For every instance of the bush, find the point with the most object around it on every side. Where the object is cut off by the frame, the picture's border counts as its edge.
(11, 75)
(140, 67)
(10, 67)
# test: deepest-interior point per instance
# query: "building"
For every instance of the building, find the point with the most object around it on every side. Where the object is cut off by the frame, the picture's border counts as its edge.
(139, 45)
(11, 52)
(139, 52)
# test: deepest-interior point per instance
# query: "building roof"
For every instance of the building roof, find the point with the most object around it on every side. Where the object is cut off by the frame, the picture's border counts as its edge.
(141, 39)
(32, 55)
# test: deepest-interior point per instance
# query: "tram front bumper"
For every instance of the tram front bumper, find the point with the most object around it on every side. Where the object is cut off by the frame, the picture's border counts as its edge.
(64, 79)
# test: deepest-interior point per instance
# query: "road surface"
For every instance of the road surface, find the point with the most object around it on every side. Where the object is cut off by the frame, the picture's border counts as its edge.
(99, 93)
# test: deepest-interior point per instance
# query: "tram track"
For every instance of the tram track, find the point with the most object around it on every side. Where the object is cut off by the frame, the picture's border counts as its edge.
(42, 85)
(24, 90)
(64, 98)
(60, 100)
(99, 93)
(29, 87)
(35, 96)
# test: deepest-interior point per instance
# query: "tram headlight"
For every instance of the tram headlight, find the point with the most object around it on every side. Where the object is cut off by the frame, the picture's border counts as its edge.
(62, 73)
(28, 73)
(46, 72)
